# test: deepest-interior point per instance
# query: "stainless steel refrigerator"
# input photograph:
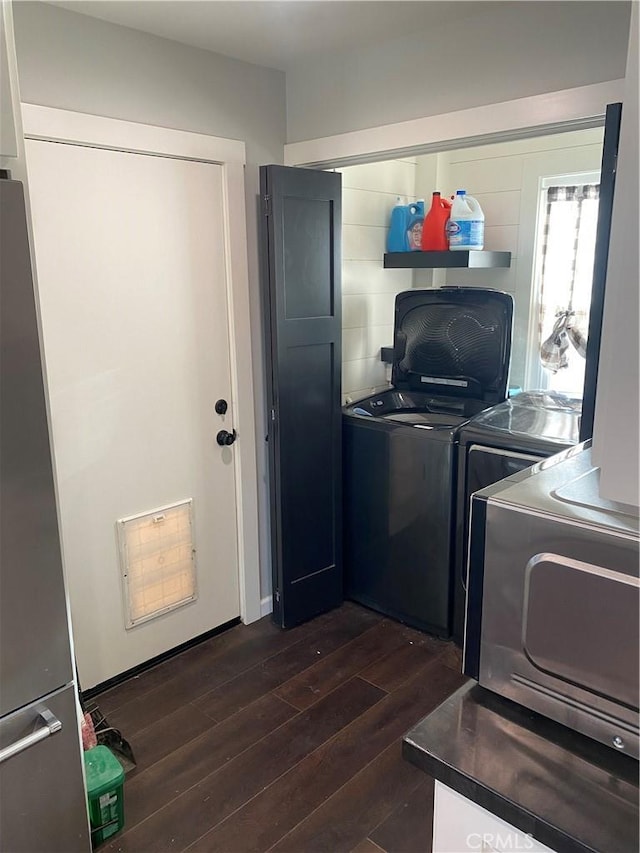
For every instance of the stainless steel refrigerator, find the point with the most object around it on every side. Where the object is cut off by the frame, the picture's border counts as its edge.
(42, 795)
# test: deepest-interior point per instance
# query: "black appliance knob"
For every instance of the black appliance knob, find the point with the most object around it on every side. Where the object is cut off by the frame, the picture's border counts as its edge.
(221, 407)
(225, 438)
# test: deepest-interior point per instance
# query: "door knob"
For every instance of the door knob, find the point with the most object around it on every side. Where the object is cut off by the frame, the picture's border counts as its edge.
(221, 407)
(225, 438)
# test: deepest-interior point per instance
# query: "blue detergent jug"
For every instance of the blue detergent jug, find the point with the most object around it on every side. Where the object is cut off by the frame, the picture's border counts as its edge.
(405, 230)
(397, 236)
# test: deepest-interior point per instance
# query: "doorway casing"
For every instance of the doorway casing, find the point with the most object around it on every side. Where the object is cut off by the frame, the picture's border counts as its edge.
(552, 112)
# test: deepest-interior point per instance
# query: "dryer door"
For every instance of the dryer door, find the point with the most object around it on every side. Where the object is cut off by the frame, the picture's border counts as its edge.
(484, 466)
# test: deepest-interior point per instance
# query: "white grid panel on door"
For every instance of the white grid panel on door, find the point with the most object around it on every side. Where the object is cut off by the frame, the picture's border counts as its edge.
(158, 561)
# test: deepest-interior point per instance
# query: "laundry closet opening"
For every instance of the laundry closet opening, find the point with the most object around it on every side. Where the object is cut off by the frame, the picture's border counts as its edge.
(507, 178)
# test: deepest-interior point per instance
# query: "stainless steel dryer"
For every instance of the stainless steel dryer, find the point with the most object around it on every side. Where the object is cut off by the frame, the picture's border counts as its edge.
(499, 442)
(451, 360)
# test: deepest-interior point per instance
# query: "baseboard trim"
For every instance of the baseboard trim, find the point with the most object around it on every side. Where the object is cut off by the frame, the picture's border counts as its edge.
(92, 692)
(266, 605)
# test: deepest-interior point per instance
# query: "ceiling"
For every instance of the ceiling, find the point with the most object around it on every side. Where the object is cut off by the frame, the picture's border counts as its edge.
(278, 34)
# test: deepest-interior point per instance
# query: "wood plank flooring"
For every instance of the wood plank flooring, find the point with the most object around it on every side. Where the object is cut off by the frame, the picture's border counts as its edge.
(261, 739)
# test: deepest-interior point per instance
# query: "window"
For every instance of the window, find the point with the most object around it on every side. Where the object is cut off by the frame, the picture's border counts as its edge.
(567, 222)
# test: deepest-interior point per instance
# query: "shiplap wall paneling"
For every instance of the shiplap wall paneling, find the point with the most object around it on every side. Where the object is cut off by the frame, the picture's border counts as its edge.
(369, 193)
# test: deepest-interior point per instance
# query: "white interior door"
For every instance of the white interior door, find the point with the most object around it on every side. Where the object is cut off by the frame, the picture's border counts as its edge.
(131, 270)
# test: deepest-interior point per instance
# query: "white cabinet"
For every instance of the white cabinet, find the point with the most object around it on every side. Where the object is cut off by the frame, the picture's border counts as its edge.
(617, 418)
(460, 825)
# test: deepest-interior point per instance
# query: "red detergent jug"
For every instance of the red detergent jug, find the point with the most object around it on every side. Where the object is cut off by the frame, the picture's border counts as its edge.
(434, 235)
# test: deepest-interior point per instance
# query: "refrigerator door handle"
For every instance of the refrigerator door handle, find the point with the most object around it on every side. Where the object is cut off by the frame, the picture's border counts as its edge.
(51, 726)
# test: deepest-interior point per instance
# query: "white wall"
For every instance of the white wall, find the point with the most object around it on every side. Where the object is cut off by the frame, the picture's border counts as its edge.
(505, 178)
(616, 434)
(497, 54)
(368, 195)
(75, 62)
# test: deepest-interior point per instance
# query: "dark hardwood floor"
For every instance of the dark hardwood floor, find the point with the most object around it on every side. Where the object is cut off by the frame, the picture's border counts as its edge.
(262, 739)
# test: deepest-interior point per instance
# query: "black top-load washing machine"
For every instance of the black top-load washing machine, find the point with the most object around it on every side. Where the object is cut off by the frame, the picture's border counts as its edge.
(497, 443)
(451, 360)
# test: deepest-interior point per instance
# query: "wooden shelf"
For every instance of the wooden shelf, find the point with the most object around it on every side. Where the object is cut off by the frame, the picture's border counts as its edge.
(447, 260)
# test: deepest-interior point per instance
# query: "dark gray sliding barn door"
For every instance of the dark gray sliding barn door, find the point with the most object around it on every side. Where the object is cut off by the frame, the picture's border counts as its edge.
(303, 323)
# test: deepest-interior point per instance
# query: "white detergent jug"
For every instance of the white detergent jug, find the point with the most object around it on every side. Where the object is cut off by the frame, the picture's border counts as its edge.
(465, 228)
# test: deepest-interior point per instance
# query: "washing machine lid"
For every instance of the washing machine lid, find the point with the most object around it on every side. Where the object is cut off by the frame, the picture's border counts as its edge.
(453, 341)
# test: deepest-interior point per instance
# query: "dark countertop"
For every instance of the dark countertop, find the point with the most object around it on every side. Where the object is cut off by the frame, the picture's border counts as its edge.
(568, 791)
